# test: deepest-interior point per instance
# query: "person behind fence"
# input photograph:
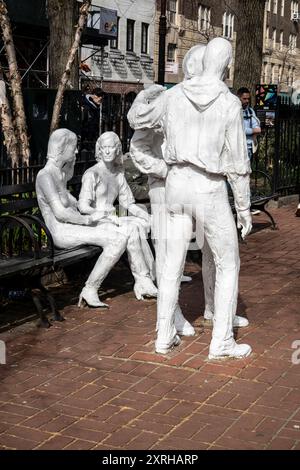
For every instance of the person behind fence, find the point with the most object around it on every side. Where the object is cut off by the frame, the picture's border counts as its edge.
(251, 121)
(200, 160)
(68, 227)
(101, 186)
(91, 115)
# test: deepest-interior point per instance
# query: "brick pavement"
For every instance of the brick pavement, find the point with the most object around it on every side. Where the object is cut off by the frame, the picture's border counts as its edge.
(94, 381)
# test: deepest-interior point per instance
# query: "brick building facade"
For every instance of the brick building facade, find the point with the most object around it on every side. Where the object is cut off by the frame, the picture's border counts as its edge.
(128, 60)
(190, 22)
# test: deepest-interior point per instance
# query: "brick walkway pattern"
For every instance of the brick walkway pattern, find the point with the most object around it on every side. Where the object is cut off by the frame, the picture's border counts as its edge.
(95, 382)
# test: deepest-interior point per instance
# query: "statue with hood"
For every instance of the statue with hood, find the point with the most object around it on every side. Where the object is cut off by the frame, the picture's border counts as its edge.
(205, 145)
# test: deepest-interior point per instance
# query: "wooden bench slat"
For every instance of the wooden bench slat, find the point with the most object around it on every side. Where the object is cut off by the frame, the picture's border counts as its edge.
(18, 205)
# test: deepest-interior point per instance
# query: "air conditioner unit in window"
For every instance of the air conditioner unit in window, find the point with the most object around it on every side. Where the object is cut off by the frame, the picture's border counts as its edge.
(295, 17)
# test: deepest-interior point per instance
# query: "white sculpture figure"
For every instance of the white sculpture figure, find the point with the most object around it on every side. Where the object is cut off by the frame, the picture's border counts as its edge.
(147, 153)
(192, 67)
(67, 226)
(146, 149)
(205, 143)
(101, 185)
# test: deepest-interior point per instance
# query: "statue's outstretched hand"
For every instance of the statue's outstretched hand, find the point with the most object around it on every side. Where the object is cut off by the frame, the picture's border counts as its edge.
(244, 221)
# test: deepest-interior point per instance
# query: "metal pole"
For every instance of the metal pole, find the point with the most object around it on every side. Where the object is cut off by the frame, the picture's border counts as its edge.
(162, 42)
(101, 81)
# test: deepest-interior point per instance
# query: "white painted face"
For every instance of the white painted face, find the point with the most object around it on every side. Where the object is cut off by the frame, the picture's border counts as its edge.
(109, 149)
(70, 151)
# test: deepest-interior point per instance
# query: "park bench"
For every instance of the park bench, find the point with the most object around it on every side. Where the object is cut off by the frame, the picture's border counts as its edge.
(262, 192)
(27, 248)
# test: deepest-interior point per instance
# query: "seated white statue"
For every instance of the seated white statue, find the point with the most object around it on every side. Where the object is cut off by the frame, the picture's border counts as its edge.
(67, 226)
(101, 186)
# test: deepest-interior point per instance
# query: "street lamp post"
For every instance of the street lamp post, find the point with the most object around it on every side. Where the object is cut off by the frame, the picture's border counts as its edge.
(162, 42)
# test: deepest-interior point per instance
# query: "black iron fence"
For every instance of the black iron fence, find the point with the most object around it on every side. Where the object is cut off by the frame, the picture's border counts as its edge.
(278, 154)
(279, 149)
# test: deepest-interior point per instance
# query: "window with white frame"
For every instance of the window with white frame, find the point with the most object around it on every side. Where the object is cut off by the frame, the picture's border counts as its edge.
(274, 38)
(228, 25)
(203, 18)
(294, 8)
(275, 7)
(265, 72)
(293, 76)
(145, 35)
(293, 43)
(267, 37)
(279, 73)
(273, 74)
(172, 11)
(281, 40)
(282, 7)
(114, 43)
(289, 76)
(130, 36)
(171, 56)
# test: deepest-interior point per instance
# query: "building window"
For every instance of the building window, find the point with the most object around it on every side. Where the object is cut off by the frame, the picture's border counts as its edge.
(281, 41)
(130, 36)
(203, 18)
(114, 43)
(279, 73)
(294, 9)
(289, 76)
(228, 25)
(282, 7)
(293, 43)
(273, 73)
(265, 72)
(275, 6)
(267, 38)
(145, 30)
(171, 57)
(293, 76)
(172, 11)
(274, 38)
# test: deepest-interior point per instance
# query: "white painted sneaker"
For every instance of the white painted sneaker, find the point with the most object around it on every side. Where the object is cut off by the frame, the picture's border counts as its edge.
(166, 348)
(237, 351)
(238, 322)
(183, 327)
(186, 278)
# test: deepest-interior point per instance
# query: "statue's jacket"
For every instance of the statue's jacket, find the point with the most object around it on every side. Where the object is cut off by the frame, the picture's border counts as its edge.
(202, 122)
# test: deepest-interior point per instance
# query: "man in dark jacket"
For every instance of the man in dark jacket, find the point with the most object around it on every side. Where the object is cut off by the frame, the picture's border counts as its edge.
(91, 108)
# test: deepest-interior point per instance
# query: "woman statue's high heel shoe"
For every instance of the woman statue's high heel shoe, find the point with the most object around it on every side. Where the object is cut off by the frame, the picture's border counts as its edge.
(89, 297)
(144, 287)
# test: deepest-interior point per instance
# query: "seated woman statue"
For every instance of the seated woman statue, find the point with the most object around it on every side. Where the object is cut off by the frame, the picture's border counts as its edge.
(101, 185)
(68, 227)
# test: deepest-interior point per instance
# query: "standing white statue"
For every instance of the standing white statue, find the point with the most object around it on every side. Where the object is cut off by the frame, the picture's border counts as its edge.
(101, 185)
(205, 143)
(67, 226)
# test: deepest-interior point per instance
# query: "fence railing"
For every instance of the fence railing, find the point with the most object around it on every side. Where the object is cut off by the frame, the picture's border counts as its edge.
(278, 154)
(279, 149)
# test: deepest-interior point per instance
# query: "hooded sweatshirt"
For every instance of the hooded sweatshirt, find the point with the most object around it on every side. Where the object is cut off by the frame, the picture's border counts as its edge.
(202, 122)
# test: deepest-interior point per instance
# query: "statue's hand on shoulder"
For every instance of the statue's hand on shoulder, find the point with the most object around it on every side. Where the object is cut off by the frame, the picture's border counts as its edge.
(153, 92)
(244, 222)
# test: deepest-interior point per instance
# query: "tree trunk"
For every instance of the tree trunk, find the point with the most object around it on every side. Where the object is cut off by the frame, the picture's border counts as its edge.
(8, 130)
(69, 62)
(15, 83)
(63, 17)
(249, 45)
